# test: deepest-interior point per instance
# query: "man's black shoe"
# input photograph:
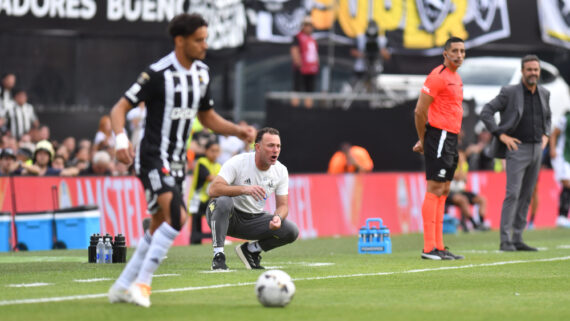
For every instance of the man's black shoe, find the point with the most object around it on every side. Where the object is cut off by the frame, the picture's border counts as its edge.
(507, 247)
(432, 255)
(219, 261)
(520, 246)
(250, 259)
(446, 255)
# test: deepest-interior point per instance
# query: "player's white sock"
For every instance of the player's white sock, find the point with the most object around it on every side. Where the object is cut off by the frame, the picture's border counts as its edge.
(254, 247)
(162, 239)
(132, 268)
(218, 250)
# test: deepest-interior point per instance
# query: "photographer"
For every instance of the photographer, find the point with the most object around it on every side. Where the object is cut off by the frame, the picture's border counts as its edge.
(370, 51)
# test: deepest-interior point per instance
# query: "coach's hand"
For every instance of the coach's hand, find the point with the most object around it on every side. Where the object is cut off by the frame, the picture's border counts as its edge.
(419, 147)
(275, 223)
(511, 142)
(256, 191)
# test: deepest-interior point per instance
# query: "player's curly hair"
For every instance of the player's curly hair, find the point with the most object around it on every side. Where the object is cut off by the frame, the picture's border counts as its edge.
(185, 24)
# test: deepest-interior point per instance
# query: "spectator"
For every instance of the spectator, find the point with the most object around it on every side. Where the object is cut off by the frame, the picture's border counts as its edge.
(100, 165)
(21, 118)
(42, 166)
(58, 162)
(370, 51)
(6, 87)
(204, 172)
(71, 144)
(305, 56)
(8, 161)
(136, 118)
(350, 159)
(462, 198)
(104, 137)
(229, 146)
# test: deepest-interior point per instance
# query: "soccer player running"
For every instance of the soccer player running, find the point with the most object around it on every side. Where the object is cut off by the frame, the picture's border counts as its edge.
(175, 90)
(438, 118)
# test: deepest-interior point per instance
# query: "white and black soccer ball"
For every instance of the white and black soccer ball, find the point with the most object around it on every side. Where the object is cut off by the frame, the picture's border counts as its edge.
(274, 288)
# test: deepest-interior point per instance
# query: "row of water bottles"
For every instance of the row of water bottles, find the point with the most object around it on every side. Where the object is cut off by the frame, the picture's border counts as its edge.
(104, 250)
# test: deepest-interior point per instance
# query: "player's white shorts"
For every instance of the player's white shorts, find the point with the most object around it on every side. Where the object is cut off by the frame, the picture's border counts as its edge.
(561, 168)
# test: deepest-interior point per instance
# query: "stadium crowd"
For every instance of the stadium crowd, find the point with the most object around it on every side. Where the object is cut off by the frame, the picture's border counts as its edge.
(25, 140)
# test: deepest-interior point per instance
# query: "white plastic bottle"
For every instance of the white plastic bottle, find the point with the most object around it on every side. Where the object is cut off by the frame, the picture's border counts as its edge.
(100, 251)
(108, 251)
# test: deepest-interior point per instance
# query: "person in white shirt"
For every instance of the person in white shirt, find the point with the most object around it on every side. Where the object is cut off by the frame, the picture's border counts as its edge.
(239, 194)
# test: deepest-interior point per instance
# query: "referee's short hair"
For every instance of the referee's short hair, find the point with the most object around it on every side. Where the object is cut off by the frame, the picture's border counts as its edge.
(265, 130)
(185, 24)
(450, 41)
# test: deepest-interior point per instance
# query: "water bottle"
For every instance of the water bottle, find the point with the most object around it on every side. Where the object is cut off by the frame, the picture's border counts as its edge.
(108, 250)
(119, 249)
(100, 250)
(92, 249)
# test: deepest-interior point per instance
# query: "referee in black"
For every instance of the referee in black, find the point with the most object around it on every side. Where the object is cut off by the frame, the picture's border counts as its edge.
(175, 90)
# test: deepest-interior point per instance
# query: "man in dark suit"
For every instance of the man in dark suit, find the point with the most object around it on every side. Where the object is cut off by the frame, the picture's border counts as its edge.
(520, 137)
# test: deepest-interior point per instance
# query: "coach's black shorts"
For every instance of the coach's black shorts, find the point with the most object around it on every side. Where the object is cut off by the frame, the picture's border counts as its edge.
(440, 152)
(157, 180)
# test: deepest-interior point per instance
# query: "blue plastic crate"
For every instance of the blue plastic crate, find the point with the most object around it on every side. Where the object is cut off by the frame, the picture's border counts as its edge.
(35, 230)
(374, 240)
(5, 220)
(75, 225)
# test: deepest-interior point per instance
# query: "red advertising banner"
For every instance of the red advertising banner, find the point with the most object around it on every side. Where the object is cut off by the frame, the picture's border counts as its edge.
(320, 204)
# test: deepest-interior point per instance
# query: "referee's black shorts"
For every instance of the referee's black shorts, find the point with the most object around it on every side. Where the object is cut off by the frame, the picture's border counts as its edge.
(440, 152)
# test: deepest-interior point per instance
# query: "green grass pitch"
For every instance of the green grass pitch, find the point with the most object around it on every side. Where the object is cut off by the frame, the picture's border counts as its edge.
(333, 282)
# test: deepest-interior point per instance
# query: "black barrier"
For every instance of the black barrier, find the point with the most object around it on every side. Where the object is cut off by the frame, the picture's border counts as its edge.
(311, 136)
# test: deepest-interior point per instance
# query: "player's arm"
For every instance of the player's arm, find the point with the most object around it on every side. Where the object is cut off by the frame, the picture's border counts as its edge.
(281, 211)
(420, 118)
(123, 151)
(553, 139)
(209, 118)
(219, 187)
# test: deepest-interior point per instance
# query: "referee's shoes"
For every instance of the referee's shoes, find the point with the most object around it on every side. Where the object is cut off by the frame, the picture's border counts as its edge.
(437, 255)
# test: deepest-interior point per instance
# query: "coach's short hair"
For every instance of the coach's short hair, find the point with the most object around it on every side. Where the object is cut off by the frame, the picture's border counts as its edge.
(450, 41)
(185, 24)
(265, 130)
(528, 58)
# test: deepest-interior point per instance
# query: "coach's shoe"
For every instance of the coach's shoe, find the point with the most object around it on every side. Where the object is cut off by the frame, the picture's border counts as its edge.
(219, 262)
(250, 259)
(446, 255)
(520, 246)
(432, 255)
(507, 247)
(117, 295)
(140, 294)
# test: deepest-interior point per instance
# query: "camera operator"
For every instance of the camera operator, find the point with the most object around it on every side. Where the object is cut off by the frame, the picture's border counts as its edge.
(369, 52)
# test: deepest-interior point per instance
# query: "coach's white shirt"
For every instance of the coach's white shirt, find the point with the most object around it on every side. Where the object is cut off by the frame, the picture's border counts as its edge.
(240, 170)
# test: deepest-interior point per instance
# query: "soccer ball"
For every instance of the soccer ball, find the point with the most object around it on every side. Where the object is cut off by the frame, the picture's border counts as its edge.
(274, 288)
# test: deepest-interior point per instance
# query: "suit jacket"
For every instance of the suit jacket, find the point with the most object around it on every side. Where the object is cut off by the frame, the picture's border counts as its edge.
(509, 103)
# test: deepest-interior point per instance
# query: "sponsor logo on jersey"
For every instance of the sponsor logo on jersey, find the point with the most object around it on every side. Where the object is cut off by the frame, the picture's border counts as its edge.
(182, 113)
(247, 181)
(442, 173)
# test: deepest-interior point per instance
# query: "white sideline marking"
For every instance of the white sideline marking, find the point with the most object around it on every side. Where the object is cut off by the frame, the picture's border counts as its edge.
(227, 285)
(164, 275)
(92, 280)
(27, 285)
(564, 246)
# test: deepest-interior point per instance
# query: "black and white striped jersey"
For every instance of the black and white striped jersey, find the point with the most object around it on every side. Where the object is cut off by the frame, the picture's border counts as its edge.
(173, 95)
